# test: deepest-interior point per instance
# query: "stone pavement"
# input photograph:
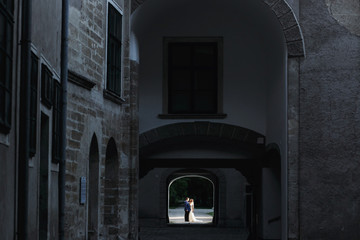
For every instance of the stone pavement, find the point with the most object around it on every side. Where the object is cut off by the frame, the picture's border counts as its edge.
(192, 232)
(176, 215)
(179, 230)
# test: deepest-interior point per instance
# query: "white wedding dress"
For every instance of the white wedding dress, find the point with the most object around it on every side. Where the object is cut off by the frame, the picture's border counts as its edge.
(192, 217)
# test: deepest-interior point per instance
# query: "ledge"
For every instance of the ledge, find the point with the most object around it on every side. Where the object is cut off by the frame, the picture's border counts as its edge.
(80, 80)
(112, 97)
(193, 116)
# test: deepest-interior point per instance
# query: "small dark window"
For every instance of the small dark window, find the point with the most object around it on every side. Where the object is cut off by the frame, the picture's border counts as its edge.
(192, 76)
(33, 103)
(56, 141)
(114, 51)
(6, 43)
(46, 86)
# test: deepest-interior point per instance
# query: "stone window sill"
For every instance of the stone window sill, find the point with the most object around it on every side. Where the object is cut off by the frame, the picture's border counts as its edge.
(80, 80)
(113, 97)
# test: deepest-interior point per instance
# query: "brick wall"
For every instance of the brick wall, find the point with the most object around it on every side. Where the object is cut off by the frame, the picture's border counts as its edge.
(89, 113)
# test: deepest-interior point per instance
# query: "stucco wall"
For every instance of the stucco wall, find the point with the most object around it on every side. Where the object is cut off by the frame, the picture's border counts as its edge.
(254, 81)
(329, 122)
(251, 57)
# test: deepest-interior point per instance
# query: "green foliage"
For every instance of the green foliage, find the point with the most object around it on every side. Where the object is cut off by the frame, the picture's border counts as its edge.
(178, 192)
(200, 189)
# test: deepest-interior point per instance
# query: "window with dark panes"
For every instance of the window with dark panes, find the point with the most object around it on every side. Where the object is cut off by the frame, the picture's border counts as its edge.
(56, 141)
(33, 103)
(114, 51)
(46, 86)
(192, 77)
(6, 43)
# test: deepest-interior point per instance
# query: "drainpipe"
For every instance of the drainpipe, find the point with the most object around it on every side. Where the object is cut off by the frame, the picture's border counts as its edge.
(64, 79)
(24, 122)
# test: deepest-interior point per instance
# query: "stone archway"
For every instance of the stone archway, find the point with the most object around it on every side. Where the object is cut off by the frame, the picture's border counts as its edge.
(93, 195)
(111, 190)
(230, 139)
(287, 19)
(215, 175)
(195, 174)
(295, 52)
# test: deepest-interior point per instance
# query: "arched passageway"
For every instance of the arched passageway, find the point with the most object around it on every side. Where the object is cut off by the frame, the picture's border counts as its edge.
(111, 190)
(231, 157)
(196, 186)
(93, 188)
(261, 45)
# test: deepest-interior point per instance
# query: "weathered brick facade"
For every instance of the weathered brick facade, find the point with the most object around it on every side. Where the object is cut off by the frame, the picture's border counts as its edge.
(112, 121)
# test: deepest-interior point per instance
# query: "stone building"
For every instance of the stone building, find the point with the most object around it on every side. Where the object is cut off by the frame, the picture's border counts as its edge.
(101, 124)
(81, 49)
(105, 103)
(30, 53)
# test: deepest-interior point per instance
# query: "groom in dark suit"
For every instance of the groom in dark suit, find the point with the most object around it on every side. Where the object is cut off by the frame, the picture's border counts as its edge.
(187, 209)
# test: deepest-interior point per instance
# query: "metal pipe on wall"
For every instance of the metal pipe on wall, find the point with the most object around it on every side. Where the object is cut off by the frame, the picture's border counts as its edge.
(64, 78)
(24, 121)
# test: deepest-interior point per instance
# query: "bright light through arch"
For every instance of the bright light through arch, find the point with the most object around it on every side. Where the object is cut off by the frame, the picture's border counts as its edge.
(176, 216)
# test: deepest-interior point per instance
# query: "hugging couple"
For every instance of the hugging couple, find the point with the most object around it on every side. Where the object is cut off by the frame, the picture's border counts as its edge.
(189, 211)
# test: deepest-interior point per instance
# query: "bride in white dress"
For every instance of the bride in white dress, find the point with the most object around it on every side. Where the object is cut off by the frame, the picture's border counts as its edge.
(192, 217)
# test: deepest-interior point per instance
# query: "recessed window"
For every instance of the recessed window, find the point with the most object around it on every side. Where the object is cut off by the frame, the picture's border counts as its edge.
(6, 41)
(56, 141)
(33, 103)
(46, 86)
(114, 51)
(193, 70)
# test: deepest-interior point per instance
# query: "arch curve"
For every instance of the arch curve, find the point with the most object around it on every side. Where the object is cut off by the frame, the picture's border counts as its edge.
(285, 15)
(215, 175)
(205, 131)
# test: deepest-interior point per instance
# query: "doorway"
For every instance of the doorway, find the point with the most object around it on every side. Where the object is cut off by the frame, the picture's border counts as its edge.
(93, 207)
(201, 192)
(44, 178)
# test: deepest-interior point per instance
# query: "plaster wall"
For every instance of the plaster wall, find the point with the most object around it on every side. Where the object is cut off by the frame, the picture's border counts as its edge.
(8, 186)
(329, 121)
(46, 31)
(251, 57)
(46, 45)
(255, 90)
(8, 155)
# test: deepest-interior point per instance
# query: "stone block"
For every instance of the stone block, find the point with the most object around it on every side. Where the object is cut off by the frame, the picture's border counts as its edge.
(240, 134)
(201, 128)
(281, 8)
(288, 20)
(214, 129)
(270, 2)
(168, 131)
(292, 34)
(295, 49)
(227, 131)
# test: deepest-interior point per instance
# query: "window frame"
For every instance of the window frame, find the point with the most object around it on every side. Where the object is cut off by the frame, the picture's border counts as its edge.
(46, 85)
(219, 108)
(34, 83)
(109, 93)
(6, 51)
(56, 121)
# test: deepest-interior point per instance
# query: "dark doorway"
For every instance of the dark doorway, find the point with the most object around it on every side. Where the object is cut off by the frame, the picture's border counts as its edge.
(44, 177)
(93, 206)
(111, 198)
